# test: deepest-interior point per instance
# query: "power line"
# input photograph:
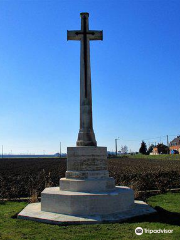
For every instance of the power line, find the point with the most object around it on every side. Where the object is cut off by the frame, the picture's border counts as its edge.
(145, 139)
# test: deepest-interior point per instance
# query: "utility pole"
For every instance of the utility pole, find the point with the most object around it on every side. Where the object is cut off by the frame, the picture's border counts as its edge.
(167, 144)
(116, 144)
(60, 150)
(2, 151)
(167, 141)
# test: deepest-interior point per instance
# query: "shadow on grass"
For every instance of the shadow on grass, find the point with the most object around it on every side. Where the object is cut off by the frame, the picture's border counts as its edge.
(15, 216)
(161, 216)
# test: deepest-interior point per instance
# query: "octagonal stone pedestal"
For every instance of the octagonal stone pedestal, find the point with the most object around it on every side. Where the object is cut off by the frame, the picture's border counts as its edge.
(83, 203)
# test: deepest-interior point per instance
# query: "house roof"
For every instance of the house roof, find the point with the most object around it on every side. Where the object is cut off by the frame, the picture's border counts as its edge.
(176, 140)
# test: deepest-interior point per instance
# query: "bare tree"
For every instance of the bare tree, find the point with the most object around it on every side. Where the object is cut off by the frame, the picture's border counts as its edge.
(124, 149)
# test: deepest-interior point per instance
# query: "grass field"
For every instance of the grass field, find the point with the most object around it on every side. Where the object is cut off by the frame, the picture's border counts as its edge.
(167, 217)
(160, 157)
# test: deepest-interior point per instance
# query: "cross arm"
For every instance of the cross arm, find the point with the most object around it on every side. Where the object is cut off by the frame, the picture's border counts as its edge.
(95, 35)
(74, 35)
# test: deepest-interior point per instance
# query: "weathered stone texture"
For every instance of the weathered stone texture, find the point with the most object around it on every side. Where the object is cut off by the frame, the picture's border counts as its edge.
(86, 158)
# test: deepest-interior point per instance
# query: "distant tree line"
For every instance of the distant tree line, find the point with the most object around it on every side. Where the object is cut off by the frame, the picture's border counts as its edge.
(161, 148)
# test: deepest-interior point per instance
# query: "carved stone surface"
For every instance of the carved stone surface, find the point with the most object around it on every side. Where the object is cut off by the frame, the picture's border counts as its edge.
(87, 174)
(86, 158)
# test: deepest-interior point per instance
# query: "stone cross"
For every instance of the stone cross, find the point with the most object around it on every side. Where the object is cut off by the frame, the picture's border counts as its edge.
(86, 136)
(87, 194)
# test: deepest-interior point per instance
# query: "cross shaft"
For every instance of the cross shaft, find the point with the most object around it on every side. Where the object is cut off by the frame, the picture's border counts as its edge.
(86, 135)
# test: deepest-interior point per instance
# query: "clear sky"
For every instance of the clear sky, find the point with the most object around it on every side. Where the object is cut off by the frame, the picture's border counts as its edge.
(135, 73)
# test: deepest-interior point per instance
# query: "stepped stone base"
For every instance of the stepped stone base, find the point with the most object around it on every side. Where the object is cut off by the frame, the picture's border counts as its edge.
(33, 212)
(87, 194)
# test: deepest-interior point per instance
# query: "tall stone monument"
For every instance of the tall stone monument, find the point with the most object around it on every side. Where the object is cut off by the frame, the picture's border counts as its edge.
(86, 136)
(87, 194)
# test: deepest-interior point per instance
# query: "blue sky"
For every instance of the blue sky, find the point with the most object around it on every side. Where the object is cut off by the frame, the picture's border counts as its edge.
(135, 73)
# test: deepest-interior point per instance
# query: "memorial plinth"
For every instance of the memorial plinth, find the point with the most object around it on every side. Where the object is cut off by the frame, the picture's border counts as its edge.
(87, 194)
(87, 188)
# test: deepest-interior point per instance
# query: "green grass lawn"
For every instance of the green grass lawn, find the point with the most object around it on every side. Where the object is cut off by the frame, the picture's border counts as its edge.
(167, 216)
(161, 156)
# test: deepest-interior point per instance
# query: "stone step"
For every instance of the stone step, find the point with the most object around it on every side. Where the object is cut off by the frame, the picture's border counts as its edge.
(88, 185)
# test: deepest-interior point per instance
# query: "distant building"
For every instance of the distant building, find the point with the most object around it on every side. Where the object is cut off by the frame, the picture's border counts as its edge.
(155, 151)
(174, 145)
